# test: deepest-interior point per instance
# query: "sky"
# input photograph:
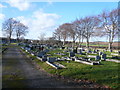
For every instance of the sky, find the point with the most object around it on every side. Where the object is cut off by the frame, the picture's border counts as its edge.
(45, 17)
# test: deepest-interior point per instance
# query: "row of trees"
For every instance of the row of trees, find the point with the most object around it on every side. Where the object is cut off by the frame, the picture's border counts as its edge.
(105, 24)
(13, 27)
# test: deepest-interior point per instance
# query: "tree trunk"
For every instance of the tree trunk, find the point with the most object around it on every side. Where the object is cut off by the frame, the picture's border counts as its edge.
(87, 43)
(73, 42)
(9, 39)
(110, 46)
(64, 42)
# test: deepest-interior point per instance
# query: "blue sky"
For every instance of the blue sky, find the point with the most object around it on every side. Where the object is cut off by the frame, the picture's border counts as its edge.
(44, 17)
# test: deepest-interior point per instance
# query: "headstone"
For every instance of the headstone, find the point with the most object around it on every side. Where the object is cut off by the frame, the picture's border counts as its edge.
(111, 50)
(89, 59)
(94, 51)
(63, 47)
(44, 58)
(115, 57)
(97, 50)
(83, 49)
(46, 50)
(103, 57)
(100, 53)
(27, 48)
(97, 57)
(75, 50)
(79, 51)
(68, 61)
(119, 52)
(89, 51)
(71, 54)
(40, 54)
(51, 59)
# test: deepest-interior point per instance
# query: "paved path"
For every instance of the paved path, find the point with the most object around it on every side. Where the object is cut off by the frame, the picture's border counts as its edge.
(18, 72)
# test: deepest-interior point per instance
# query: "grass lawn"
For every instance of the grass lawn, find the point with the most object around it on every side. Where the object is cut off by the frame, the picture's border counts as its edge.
(105, 74)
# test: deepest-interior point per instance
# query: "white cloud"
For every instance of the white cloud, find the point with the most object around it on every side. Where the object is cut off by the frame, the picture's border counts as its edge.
(40, 22)
(2, 6)
(50, 2)
(20, 4)
(2, 16)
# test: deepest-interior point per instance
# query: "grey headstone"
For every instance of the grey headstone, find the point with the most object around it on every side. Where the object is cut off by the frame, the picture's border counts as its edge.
(119, 52)
(94, 51)
(103, 56)
(68, 61)
(46, 50)
(75, 50)
(51, 59)
(97, 57)
(111, 50)
(44, 58)
(100, 53)
(63, 47)
(97, 50)
(71, 54)
(89, 51)
(79, 51)
(27, 48)
(40, 54)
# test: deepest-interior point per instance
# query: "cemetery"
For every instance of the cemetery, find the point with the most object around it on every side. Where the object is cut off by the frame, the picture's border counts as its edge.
(91, 56)
(47, 39)
(85, 62)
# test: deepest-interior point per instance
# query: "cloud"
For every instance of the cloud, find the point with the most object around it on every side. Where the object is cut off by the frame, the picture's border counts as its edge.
(39, 22)
(50, 2)
(2, 16)
(20, 4)
(2, 6)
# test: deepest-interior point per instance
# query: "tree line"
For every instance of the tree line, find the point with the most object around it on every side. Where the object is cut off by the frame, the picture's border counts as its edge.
(12, 27)
(104, 24)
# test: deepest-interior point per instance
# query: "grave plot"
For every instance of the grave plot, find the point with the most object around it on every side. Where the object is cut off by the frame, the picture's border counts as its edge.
(113, 56)
(51, 61)
(72, 56)
(86, 61)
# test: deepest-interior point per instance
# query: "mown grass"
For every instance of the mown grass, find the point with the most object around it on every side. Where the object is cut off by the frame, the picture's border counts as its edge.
(105, 74)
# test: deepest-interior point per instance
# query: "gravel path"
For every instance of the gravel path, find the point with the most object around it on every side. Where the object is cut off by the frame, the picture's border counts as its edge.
(18, 72)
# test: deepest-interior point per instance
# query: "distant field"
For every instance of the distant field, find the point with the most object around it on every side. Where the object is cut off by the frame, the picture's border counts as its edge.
(115, 44)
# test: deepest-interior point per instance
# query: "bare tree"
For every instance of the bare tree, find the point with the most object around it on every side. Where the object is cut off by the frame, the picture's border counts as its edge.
(64, 31)
(110, 25)
(8, 27)
(79, 30)
(20, 30)
(42, 37)
(88, 24)
(72, 29)
(57, 34)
